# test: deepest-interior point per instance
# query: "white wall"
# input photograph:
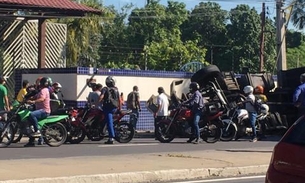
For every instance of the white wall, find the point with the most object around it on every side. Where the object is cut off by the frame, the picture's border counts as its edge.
(147, 85)
(75, 86)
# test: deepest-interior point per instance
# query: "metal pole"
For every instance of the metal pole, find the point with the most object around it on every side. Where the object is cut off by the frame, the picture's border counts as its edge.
(262, 40)
(281, 41)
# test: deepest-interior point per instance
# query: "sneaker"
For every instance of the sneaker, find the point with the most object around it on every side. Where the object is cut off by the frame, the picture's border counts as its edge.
(253, 140)
(36, 134)
(109, 141)
(191, 139)
(29, 144)
(198, 141)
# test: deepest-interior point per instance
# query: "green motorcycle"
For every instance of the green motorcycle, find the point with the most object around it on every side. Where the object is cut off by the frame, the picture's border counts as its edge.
(52, 129)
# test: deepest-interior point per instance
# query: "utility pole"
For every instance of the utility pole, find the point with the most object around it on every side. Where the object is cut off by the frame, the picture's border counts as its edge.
(262, 40)
(281, 41)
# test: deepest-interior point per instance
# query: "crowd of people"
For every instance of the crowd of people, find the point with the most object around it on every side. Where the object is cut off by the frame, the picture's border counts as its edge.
(109, 100)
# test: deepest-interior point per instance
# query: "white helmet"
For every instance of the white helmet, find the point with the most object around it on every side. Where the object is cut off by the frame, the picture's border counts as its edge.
(264, 109)
(57, 85)
(248, 89)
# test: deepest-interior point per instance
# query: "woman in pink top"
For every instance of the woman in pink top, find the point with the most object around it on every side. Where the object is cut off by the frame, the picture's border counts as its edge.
(43, 109)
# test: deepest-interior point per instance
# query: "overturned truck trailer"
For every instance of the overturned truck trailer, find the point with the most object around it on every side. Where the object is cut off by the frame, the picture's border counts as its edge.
(282, 111)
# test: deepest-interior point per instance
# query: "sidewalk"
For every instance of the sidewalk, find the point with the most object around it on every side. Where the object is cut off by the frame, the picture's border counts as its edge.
(137, 168)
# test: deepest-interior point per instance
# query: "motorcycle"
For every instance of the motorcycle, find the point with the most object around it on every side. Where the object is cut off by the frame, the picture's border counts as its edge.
(90, 122)
(52, 130)
(178, 124)
(237, 123)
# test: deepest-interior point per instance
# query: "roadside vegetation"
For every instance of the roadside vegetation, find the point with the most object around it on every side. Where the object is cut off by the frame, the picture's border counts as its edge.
(165, 37)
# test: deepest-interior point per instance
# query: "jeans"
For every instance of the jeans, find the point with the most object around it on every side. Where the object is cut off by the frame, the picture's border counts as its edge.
(134, 116)
(37, 115)
(195, 124)
(109, 119)
(157, 119)
(252, 118)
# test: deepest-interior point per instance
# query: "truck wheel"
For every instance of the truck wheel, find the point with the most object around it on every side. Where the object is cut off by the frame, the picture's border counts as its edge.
(206, 74)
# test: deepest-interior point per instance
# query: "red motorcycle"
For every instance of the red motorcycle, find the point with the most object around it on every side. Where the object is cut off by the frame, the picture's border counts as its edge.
(178, 124)
(91, 122)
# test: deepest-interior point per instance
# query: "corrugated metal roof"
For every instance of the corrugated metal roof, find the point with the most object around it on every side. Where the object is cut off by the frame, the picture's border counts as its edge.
(54, 4)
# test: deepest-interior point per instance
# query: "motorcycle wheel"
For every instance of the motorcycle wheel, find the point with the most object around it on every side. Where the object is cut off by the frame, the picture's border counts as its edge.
(211, 134)
(162, 135)
(91, 137)
(77, 135)
(7, 136)
(54, 134)
(124, 132)
(228, 135)
(17, 132)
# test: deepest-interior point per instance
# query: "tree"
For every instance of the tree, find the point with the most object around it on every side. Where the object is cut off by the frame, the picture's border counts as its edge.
(244, 32)
(298, 14)
(83, 36)
(207, 23)
(116, 50)
(296, 56)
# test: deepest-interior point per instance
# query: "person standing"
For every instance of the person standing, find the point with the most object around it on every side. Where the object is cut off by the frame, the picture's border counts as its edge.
(93, 97)
(22, 92)
(249, 105)
(43, 109)
(299, 96)
(133, 103)
(162, 107)
(4, 102)
(110, 97)
(196, 104)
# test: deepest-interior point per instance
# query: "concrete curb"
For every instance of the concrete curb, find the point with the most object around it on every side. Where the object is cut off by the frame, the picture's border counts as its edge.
(152, 176)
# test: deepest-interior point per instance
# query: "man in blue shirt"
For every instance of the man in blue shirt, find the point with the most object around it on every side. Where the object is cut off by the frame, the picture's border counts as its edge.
(196, 103)
(299, 96)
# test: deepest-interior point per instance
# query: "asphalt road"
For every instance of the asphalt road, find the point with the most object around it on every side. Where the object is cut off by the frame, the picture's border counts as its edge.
(136, 146)
(249, 179)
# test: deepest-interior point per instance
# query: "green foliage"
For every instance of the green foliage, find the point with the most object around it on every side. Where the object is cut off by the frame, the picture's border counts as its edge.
(165, 37)
(296, 56)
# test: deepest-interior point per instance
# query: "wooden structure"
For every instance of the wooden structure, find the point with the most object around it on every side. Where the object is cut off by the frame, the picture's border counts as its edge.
(42, 10)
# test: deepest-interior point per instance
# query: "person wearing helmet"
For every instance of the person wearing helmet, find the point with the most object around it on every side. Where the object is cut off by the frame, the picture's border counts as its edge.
(196, 104)
(110, 98)
(299, 96)
(259, 93)
(43, 109)
(249, 106)
(55, 89)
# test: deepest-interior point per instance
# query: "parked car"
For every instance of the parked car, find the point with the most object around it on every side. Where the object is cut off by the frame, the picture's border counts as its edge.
(287, 163)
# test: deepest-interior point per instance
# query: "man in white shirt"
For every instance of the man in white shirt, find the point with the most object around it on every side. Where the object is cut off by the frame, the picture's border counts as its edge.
(163, 104)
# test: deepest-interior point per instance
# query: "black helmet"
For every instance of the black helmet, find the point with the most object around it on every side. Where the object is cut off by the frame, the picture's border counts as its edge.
(194, 86)
(110, 81)
(44, 82)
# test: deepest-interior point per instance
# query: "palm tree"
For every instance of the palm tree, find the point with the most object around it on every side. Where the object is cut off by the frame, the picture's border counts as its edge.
(80, 33)
(298, 13)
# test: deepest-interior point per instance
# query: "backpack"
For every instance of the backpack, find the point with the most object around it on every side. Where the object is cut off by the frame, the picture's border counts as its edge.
(131, 101)
(258, 104)
(111, 98)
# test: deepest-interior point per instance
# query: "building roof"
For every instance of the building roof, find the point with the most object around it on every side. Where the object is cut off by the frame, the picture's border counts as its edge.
(46, 7)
